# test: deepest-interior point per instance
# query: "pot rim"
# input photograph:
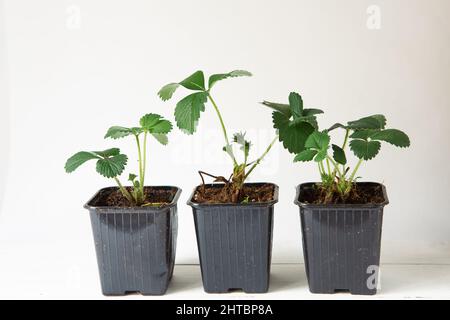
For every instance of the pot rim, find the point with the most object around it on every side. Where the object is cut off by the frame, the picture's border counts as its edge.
(101, 209)
(340, 205)
(257, 204)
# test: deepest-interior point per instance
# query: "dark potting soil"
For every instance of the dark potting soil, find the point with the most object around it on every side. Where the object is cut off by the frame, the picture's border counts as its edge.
(153, 198)
(360, 194)
(219, 194)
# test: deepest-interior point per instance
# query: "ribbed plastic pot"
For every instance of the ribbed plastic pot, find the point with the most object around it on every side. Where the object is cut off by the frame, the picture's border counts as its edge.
(235, 244)
(135, 247)
(341, 244)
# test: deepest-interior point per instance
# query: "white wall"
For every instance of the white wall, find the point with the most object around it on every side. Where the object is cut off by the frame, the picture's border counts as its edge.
(4, 107)
(69, 83)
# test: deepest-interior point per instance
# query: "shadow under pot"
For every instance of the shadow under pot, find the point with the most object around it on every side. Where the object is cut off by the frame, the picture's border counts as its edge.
(235, 243)
(135, 246)
(341, 243)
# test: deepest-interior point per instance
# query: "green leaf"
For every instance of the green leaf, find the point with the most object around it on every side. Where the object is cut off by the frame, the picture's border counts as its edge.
(79, 159)
(393, 136)
(108, 153)
(196, 81)
(149, 121)
(113, 166)
(293, 137)
(167, 91)
(246, 148)
(296, 104)
(305, 155)
(161, 137)
(318, 141)
(308, 114)
(188, 111)
(335, 126)
(110, 162)
(312, 120)
(377, 121)
(222, 76)
(363, 134)
(311, 112)
(339, 155)
(154, 123)
(381, 119)
(285, 109)
(132, 177)
(321, 155)
(118, 132)
(136, 131)
(365, 149)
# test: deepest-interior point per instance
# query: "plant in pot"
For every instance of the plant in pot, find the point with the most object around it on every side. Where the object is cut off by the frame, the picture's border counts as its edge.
(135, 228)
(341, 218)
(233, 218)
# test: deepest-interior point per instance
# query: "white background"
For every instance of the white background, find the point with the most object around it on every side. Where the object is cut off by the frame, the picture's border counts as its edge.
(64, 81)
(4, 107)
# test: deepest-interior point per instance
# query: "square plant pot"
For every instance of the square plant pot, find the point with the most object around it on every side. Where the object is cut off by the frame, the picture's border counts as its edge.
(135, 246)
(341, 244)
(235, 244)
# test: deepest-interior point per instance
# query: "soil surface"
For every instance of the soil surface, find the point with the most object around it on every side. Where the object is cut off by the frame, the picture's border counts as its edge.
(360, 194)
(153, 197)
(249, 194)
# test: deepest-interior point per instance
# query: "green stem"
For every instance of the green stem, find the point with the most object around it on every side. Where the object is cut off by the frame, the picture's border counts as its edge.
(355, 170)
(124, 191)
(141, 171)
(224, 130)
(328, 167)
(323, 168)
(347, 131)
(145, 162)
(262, 157)
(245, 157)
(336, 166)
(320, 169)
(344, 145)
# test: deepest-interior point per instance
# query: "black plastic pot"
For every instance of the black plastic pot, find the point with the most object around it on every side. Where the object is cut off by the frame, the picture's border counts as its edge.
(341, 244)
(235, 244)
(135, 246)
